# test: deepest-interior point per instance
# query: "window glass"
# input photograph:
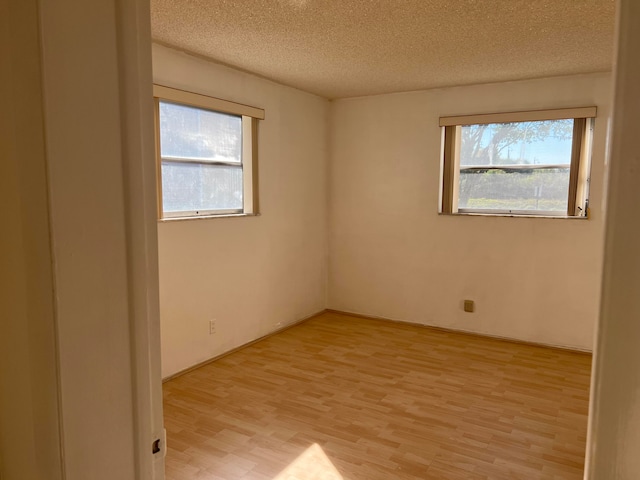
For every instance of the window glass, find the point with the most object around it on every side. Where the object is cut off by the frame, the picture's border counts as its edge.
(515, 166)
(529, 189)
(194, 133)
(519, 143)
(192, 187)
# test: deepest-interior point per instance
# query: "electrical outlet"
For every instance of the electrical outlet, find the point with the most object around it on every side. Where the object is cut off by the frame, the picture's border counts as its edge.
(469, 306)
(212, 326)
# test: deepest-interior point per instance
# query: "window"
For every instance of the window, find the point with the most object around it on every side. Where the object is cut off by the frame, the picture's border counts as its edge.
(521, 163)
(207, 155)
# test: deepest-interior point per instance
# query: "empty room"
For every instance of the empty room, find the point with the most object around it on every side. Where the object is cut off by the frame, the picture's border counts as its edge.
(300, 239)
(381, 234)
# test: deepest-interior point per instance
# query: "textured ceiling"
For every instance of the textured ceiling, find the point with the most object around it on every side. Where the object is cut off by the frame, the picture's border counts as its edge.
(345, 48)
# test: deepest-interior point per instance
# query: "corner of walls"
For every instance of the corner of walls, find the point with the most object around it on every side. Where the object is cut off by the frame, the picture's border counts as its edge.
(328, 172)
(349, 221)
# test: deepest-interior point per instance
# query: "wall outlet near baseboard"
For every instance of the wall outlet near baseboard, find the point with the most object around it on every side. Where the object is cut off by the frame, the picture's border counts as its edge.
(469, 306)
(212, 326)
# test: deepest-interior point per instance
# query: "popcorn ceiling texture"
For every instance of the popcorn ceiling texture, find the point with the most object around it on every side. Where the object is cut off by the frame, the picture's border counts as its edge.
(346, 48)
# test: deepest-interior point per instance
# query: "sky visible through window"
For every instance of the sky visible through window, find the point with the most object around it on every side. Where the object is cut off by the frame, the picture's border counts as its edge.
(494, 160)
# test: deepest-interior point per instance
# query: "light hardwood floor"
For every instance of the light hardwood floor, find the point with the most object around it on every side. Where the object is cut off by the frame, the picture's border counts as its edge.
(379, 400)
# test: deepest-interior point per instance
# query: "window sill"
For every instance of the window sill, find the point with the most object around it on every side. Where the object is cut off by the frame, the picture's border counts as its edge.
(206, 217)
(513, 215)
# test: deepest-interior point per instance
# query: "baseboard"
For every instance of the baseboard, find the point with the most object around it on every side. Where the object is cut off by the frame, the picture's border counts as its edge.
(464, 332)
(244, 345)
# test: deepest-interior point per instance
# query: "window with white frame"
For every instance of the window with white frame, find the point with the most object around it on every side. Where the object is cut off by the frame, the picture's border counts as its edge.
(207, 155)
(520, 163)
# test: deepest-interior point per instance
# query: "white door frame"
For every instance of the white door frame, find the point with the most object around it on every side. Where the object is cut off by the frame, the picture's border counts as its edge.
(139, 168)
(81, 316)
(613, 449)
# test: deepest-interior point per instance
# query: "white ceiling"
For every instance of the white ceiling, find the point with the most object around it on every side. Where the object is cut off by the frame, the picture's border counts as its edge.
(346, 48)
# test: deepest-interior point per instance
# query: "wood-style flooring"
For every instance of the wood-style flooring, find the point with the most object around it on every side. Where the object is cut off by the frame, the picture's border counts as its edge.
(346, 397)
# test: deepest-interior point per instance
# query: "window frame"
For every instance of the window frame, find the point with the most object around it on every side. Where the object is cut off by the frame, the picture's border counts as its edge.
(249, 156)
(579, 170)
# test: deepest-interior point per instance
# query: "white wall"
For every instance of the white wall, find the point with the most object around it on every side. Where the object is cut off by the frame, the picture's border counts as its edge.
(393, 256)
(29, 430)
(251, 274)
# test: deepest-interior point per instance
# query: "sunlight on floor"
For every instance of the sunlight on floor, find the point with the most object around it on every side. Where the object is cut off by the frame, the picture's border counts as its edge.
(312, 464)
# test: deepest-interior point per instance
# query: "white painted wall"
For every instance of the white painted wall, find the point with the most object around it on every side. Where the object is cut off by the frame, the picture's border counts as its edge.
(251, 273)
(393, 256)
(30, 446)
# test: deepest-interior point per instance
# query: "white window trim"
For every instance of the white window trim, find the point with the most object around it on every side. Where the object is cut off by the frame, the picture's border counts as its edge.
(579, 169)
(250, 116)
